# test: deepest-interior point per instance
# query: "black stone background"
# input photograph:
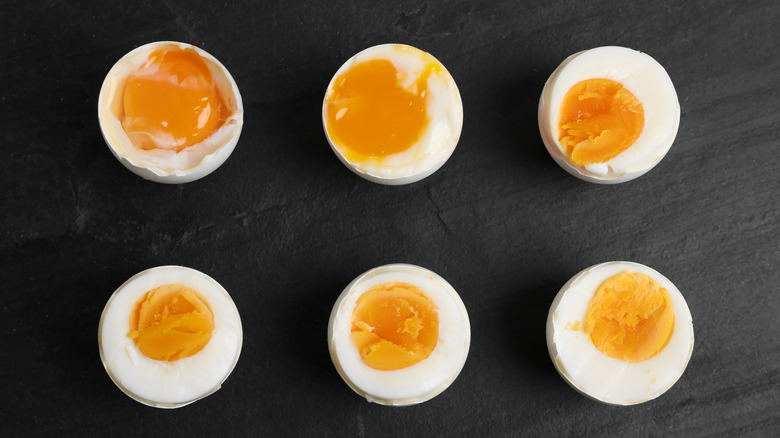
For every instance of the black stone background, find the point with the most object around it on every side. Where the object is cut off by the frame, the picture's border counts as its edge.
(284, 226)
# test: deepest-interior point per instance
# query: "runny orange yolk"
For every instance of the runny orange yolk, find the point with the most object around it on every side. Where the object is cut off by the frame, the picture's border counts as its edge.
(171, 101)
(599, 119)
(630, 317)
(371, 115)
(171, 322)
(394, 325)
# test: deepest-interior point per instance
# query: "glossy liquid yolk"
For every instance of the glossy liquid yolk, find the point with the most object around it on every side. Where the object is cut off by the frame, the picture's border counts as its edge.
(171, 322)
(630, 317)
(369, 113)
(599, 119)
(394, 325)
(171, 101)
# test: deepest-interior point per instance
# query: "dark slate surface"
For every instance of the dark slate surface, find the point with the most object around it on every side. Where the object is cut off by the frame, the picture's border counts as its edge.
(284, 226)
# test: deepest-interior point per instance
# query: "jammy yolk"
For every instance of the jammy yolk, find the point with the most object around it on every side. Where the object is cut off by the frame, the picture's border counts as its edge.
(372, 115)
(394, 325)
(599, 119)
(171, 322)
(630, 317)
(171, 101)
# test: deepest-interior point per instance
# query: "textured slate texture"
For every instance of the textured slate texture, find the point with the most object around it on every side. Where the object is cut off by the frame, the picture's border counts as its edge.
(284, 226)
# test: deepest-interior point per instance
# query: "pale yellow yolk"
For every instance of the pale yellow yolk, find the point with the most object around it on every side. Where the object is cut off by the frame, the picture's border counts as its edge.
(599, 119)
(171, 322)
(171, 102)
(630, 317)
(394, 325)
(369, 113)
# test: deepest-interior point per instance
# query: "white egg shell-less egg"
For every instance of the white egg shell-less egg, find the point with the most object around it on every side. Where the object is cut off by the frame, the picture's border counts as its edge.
(444, 107)
(169, 384)
(641, 75)
(168, 166)
(419, 382)
(597, 375)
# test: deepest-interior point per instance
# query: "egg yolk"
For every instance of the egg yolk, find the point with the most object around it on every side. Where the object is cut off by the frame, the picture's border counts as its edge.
(599, 119)
(630, 317)
(394, 325)
(373, 112)
(171, 322)
(171, 101)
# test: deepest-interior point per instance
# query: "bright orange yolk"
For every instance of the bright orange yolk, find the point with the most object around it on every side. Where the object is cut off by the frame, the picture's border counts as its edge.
(394, 325)
(371, 115)
(171, 322)
(171, 101)
(630, 317)
(599, 119)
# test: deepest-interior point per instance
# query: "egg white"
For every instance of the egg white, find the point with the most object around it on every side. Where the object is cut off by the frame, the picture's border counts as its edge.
(641, 75)
(168, 166)
(169, 384)
(597, 375)
(419, 382)
(444, 107)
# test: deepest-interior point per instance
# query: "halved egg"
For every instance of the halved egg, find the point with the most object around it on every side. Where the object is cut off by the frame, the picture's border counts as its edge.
(170, 112)
(399, 335)
(620, 333)
(169, 336)
(392, 114)
(609, 114)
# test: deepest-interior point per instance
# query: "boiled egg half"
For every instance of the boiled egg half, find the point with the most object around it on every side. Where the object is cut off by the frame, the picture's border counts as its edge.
(170, 112)
(399, 335)
(620, 333)
(169, 336)
(392, 114)
(609, 114)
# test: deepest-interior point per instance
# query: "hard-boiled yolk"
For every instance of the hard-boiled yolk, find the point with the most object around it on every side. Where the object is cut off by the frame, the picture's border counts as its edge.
(630, 317)
(394, 325)
(171, 322)
(171, 101)
(371, 115)
(599, 119)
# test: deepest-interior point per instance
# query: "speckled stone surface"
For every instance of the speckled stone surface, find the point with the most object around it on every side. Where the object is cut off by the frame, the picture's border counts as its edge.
(284, 226)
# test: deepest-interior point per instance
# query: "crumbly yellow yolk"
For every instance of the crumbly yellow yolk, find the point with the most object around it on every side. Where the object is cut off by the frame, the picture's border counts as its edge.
(630, 317)
(171, 322)
(394, 325)
(171, 102)
(599, 119)
(371, 115)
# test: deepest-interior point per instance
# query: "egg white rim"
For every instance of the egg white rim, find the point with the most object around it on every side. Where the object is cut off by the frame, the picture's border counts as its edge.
(375, 176)
(407, 381)
(208, 164)
(679, 349)
(187, 276)
(653, 139)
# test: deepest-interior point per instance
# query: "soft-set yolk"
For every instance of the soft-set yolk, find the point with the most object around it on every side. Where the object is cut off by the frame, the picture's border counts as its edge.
(371, 115)
(171, 322)
(171, 102)
(394, 325)
(599, 119)
(630, 317)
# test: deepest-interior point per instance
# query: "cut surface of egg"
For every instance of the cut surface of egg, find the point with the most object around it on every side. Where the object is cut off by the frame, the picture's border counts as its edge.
(169, 336)
(609, 114)
(399, 335)
(620, 333)
(392, 114)
(170, 112)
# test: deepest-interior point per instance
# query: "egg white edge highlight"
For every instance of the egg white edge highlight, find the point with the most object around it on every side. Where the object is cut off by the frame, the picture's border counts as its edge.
(419, 382)
(169, 384)
(678, 351)
(650, 83)
(439, 141)
(207, 155)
